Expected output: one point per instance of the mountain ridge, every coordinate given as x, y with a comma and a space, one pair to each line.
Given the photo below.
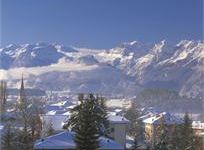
135, 63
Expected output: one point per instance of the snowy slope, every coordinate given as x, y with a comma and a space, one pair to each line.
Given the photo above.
31, 55
125, 69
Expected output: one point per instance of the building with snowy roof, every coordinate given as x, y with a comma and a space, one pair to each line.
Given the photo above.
198, 128
65, 141
62, 105
118, 127
151, 124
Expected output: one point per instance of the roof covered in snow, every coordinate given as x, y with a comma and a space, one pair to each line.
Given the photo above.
113, 117
62, 140
151, 110
61, 104
65, 140
58, 112
117, 119
198, 125
167, 117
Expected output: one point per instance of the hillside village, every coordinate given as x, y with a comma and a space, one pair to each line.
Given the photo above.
42, 122
101, 75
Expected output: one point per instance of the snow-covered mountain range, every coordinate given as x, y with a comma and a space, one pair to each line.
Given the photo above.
123, 70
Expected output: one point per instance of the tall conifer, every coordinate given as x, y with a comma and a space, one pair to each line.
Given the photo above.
8, 139
188, 137
86, 137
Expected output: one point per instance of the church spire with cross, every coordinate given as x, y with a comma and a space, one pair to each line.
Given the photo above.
22, 95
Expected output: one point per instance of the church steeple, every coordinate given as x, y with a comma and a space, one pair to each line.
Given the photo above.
22, 91
22, 83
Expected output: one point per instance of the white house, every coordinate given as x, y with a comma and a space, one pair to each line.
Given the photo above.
65, 141
118, 124
118, 127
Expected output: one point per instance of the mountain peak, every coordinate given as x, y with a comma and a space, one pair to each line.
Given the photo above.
159, 47
133, 42
12, 46
157, 64
129, 44
185, 43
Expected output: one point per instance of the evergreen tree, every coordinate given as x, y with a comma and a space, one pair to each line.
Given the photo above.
24, 140
100, 112
34, 121
27, 116
162, 139
102, 116
23, 118
135, 144
175, 138
49, 129
182, 136
136, 126
35, 126
88, 120
72, 122
86, 137
188, 137
9, 137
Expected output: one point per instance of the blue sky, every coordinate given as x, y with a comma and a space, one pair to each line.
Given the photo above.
99, 23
